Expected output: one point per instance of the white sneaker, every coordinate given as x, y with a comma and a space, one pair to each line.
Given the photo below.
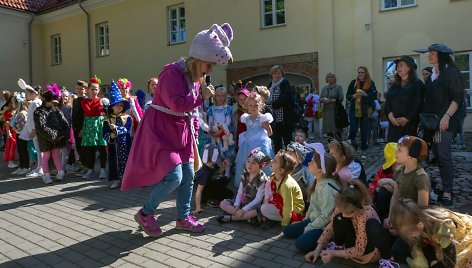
11, 164
16, 172
47, 179
90, 175
103, 174
35, 173
60, 175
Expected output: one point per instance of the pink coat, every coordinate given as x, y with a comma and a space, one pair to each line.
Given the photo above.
163, 141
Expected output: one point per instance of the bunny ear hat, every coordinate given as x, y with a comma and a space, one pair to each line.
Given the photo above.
22, 84
212, 45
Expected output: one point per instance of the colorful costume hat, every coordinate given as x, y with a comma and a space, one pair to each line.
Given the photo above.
115, 97
212, 45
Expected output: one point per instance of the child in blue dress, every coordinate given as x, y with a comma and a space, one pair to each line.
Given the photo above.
220, 113
256, 135
116, 131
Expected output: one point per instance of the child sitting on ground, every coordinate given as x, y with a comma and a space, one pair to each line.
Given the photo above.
203, 176
355, 228
250, 192
283, 197
344, 153
437, 237
382, 195
322, 194
300, 173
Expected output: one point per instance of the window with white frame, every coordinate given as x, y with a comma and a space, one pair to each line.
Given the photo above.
389, 69
56, 49
463, 62
394, 4
177, 30
103, 39
273, 13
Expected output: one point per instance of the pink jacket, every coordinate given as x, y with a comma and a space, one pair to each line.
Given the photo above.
163, 141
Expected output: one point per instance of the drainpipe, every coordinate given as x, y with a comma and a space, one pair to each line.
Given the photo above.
90, 69
30, 49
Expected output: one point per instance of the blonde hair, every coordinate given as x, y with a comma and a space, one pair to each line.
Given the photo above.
224, 91
330, 74
24, 103
263, 91
194, 67
441, 226
257, 98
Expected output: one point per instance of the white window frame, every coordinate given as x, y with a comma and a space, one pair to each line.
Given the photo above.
273, 13
468, 88
398, 6
56, 49
179, 31
391, 72
103, 39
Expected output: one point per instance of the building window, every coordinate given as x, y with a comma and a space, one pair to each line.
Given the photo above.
103, 39
177, 31
273, 13
463, 62
56, 50
389, 70
394, 4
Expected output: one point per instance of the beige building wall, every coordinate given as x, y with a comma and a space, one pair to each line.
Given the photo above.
14, 48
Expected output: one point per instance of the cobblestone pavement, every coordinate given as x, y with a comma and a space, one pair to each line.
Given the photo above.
78, 223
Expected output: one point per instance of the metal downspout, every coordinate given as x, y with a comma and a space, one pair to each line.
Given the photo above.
90, 68
30, 49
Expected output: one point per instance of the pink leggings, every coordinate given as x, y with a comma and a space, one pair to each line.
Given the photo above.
55, 156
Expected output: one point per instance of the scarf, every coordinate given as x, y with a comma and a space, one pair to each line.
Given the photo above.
358, 104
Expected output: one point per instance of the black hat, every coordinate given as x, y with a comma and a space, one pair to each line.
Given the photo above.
408, 60
435, 47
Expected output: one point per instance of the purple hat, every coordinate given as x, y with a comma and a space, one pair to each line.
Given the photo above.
212, 45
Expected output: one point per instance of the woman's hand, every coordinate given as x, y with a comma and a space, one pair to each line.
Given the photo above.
327, 256
444, 123
312, 256
392, 119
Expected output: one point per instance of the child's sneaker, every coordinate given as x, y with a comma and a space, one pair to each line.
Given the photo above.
11, 164
24, 171
384, 263
60, 175
35, 173
103, 174
47, 179
115, 184
333, 246
148, 223
190, 224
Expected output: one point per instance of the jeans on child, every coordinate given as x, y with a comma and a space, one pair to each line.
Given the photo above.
305, 242
180, 178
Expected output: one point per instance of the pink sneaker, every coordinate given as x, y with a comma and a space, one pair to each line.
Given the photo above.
148, 224
190, 224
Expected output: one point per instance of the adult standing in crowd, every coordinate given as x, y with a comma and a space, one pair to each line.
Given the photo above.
404, 100
361, 94
165, 154
444, 96
331, 93
426, 73
282, 102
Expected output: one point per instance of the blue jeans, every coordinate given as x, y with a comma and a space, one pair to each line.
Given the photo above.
180, 178
354, 124
305, 242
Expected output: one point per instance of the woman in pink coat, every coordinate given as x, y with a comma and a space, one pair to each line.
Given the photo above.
162, 154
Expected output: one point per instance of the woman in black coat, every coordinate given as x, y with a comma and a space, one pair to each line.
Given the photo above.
282, 99
443, 97
404, 100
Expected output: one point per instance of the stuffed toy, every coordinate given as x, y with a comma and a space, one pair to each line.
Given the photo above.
222, 134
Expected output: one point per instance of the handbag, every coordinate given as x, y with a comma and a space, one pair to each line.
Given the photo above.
429, 121
319, 113
341, 118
